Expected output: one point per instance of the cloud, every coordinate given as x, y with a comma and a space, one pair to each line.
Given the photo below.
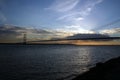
89, 6
11, 32
86, 36
79, 19
74, 12
15, 33
2, 15
8, 34
81, 8
63, 5
75, 29
111, 31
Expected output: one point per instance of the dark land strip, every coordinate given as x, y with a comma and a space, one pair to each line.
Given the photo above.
109, 70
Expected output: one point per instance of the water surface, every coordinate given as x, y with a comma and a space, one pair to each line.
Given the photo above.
50, 62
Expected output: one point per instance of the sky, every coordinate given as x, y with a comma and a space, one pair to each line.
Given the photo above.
70, 16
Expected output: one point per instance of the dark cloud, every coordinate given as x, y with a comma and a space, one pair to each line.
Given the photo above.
39, 31
11, 32
8, 32
87, 36
5, 29
17, 29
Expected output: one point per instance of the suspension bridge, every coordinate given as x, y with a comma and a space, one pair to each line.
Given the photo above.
113, 24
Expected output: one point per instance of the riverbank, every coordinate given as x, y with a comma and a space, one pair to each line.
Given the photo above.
109, 70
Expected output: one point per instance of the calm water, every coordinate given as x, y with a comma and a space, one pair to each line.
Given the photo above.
50, 62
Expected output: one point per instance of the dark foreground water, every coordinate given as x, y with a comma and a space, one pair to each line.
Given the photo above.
50, 62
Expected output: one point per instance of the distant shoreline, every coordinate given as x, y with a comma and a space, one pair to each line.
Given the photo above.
55, 44
29, 44
58, 44
77, 43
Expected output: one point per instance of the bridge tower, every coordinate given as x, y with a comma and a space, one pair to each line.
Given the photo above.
24, 38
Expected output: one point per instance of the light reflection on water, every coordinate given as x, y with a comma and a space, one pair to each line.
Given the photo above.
50, 62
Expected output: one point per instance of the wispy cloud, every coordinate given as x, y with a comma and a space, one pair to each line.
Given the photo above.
88, 7
75, 29
2, 16
111, 31
63, 5
74, 8
73, 11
